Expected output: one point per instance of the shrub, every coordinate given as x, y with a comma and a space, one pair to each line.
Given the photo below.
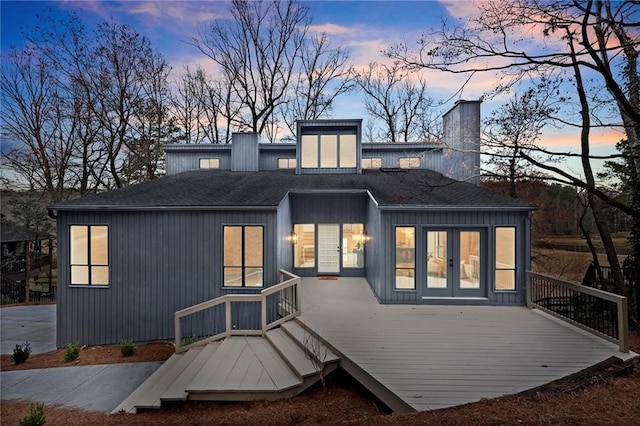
187, 340
72, 351
35, 417
127, 347
21, 353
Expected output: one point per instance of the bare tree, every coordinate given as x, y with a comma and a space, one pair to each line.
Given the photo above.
514, 128
37, 122
392, 98
598, 37
324, 75
257, 52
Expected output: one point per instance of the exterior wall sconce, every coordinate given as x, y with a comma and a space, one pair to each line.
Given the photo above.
364, 237
294, 238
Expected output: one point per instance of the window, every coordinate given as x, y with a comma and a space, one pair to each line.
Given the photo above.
371, 163
409, 162
89, 255
286, 163
353, 245
405, 258
328, 151
243, 256
209, 163
304, 250
505, 270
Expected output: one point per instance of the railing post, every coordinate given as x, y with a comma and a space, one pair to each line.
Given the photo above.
299, 296
263, 314
177, 331
623, 325
529, 285
227, 317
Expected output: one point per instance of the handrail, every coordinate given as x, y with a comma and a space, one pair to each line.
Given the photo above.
621, 307
227, 299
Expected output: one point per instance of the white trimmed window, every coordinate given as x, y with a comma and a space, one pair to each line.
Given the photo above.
405, 258
286, 163
372, 163
209, 163
89, 257
328, 151
409, 162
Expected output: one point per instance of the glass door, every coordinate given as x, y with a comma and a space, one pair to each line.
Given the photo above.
454, 263
328, 249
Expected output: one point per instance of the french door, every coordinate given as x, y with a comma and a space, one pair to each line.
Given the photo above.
454, 263
328, 248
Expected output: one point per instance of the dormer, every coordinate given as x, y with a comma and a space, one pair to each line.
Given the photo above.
329, 146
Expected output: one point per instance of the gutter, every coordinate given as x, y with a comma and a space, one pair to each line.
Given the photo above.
161, 208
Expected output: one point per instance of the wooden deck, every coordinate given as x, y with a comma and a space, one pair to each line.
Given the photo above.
417, 357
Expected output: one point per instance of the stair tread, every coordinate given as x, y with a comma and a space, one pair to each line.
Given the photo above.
131, 402
177, 390
299, 334
244, 364
151, 398
293, 353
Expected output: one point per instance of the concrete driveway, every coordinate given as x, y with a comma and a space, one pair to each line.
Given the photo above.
91, 388
35, 324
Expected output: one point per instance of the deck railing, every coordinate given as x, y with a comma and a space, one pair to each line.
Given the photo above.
212, 320
599, 312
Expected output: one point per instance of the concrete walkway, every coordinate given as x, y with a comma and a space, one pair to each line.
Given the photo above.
91, 388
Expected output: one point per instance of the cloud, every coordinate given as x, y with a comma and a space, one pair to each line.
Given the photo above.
332, 29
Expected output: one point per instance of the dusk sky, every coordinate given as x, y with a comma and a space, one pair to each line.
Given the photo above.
364, 27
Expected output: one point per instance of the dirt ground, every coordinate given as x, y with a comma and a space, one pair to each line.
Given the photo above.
612, 402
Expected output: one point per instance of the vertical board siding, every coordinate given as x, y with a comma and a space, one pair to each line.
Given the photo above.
178, 162
329, 208
285, 228
245, 152
159, 262
269, 156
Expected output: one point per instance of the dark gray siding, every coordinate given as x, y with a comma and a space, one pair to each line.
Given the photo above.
270, 153
245, 152
382, 278
159, 262
390, 154
346, 207
374, 249
184, 161
285, 229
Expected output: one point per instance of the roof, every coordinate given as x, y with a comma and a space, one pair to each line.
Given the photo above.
391, 188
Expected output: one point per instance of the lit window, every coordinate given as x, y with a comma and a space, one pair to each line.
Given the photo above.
304, 250
409, 163
328, 151
243, 256
505, 270
371, 163
348, 151
353, 245
89, 255
286, 163
209, 163
405, 258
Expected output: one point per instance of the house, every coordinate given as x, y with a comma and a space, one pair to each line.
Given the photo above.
411, 218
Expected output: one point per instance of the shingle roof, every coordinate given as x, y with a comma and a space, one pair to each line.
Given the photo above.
217, 188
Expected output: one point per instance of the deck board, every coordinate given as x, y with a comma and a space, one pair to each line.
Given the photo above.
440, 356
176, 391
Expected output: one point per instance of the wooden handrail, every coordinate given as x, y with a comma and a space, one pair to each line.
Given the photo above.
228, 299
620, 301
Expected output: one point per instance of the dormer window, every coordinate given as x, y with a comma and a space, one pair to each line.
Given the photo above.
328, 151
209, 163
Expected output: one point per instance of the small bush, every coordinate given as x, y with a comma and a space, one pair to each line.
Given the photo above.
35, 417
127, 347
21, 353
187, 340
72, 351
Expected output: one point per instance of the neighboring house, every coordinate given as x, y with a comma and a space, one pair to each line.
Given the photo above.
410, 217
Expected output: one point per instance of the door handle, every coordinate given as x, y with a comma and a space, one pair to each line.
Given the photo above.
450, 263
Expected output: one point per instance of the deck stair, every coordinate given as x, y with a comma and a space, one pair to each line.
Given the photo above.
237, 369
